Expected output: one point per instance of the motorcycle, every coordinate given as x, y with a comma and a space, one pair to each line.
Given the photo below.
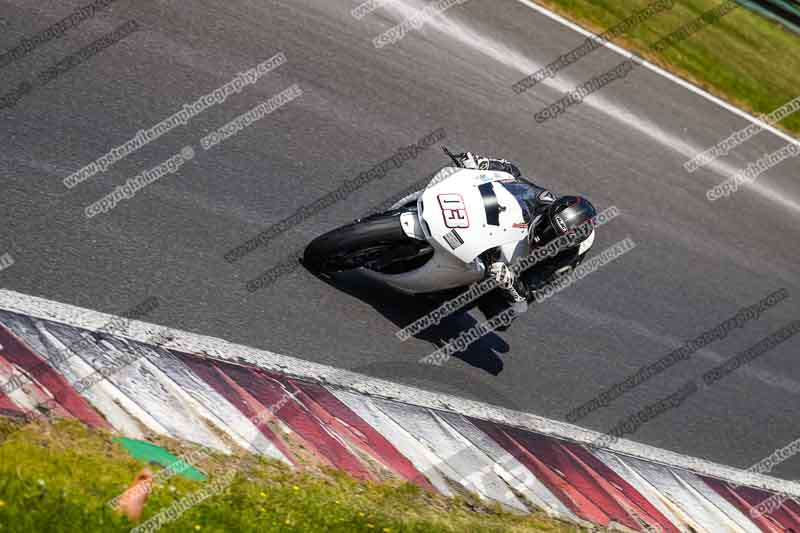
436, 240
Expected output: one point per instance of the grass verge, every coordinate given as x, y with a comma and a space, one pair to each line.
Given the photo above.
58, 477
744, 58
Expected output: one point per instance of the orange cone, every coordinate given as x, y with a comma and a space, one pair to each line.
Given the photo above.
132, 501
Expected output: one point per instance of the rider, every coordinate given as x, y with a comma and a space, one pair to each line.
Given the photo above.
550, 218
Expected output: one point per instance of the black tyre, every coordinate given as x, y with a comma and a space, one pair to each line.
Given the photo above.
356, 245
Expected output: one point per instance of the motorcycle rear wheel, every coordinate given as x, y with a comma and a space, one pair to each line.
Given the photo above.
377, 242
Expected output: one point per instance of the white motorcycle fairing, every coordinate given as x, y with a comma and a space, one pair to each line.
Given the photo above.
461, 214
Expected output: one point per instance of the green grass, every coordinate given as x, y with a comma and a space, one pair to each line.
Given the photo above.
743, 58
58, 477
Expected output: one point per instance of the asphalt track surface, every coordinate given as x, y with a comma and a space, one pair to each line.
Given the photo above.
695, 264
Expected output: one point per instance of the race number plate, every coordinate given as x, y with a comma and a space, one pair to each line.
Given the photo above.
453, 210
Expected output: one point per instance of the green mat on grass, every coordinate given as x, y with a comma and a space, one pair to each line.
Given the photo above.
145, 451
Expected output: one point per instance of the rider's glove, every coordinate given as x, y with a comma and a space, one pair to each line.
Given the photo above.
502, 275
469, 160
478, 162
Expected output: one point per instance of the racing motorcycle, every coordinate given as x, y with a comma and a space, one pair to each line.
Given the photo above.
444, 237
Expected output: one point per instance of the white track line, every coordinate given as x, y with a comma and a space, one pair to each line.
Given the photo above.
215, 348
720, 167
658, 70
471, 38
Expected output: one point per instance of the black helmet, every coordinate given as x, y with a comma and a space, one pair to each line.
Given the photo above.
564, 217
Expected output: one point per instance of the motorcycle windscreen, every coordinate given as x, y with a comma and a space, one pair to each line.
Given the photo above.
470, 212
